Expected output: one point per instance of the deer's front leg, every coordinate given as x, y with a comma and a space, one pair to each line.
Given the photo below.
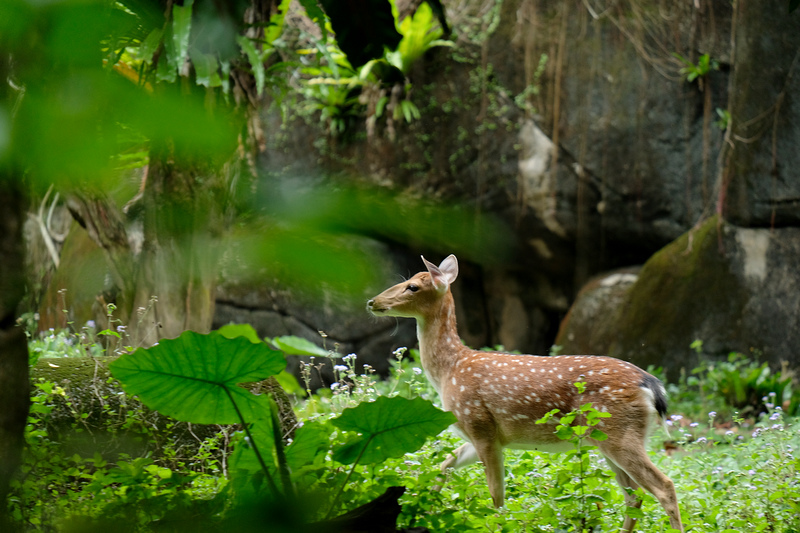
462, 456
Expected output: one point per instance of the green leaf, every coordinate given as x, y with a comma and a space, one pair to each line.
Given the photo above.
567, 419
275, 27
291, 345
598, 435
181, 28
205, 68
309, 440
231, 331
634, 512
289, 383
388, 427
381, 105
315, 13
256, 61
150, 45
194, 378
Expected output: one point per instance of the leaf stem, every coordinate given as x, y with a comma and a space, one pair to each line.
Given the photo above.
261, 462
350, 473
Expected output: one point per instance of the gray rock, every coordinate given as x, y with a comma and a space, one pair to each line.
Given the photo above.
732, 288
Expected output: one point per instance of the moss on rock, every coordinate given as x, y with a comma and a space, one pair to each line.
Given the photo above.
92, 414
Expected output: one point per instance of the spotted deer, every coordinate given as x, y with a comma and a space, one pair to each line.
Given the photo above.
498, 397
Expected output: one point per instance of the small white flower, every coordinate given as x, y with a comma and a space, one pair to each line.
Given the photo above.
693, 425
712, 414
728, 433
90, 324
676, 417
417, 370
775, 416
701, 440
121, 328
334, 386
340, 368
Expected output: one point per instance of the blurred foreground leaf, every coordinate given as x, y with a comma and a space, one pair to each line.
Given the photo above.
387, 216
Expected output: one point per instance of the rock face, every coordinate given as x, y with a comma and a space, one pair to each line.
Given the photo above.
733, 288
763, 180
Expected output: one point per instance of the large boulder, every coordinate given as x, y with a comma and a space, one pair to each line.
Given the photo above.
731, 287
590, 326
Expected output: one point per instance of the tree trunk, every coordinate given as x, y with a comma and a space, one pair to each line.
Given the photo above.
14, 384
177, 267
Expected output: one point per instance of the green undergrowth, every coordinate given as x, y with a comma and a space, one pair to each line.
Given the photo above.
735, 468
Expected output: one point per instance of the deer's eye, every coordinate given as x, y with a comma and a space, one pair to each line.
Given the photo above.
412, 288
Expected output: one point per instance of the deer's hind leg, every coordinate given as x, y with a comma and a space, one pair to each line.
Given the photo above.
628, 486
630, 457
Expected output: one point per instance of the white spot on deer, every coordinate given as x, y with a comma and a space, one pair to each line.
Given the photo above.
504, 377
591, 372
550, 381
454, 381
582, 366
570, 369
542, 370
467, 411
559, 376
462, 388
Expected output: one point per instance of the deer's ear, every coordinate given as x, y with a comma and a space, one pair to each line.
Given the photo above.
443, 275
449, 268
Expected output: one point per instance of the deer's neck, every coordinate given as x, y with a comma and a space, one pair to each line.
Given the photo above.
439, 343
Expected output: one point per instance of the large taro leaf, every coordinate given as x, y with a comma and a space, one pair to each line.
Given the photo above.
388, 427
195, 377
